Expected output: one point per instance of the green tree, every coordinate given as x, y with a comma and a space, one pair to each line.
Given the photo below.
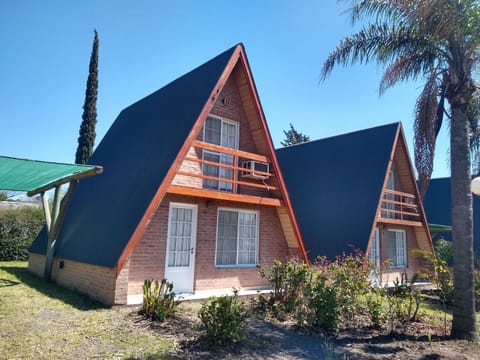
3, 196
437, 41
86, 138
292, 137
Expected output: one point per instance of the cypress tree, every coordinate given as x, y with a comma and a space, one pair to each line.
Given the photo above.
86, 138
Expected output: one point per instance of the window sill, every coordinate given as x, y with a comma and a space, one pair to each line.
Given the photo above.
249, 266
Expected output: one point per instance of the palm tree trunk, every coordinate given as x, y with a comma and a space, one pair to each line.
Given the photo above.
464, 317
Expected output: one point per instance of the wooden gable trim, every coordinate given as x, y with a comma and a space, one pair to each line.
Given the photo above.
271, 149
162, 190
400, 137
423, 217
384, 186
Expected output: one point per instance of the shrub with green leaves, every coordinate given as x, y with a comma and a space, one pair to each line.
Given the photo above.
288, 281
18, 228
223, 319
321, 309
158, 299
350, 275
404, 301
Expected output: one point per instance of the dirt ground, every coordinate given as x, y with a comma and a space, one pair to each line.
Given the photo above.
275, 340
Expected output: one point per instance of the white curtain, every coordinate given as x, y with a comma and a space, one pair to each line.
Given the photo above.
180, 237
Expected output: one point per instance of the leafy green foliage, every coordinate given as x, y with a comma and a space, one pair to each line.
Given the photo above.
158, 299
375, 309
288, 280
338, 294
293, 137
3, 196
350, 275
404, 300
223, 319
18, 228
320, 309
87, 134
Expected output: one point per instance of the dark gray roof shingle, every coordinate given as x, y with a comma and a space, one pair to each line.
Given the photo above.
335, 186
136, 154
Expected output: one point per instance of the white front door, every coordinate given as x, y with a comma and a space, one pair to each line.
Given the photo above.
180, 258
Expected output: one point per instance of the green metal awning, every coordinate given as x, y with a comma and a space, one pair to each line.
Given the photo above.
436, 228
39, 176
36, 177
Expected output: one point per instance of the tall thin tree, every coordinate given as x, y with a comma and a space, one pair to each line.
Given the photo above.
438, 41
87, 134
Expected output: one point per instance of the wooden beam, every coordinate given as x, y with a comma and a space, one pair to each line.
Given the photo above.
51, 235
46, 211
218, 195
400, 222
214, 178
77, 176
225, 150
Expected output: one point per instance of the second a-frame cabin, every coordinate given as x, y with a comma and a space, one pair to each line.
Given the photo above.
191, 191
358, 191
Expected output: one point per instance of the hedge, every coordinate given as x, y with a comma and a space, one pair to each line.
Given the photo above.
18, 228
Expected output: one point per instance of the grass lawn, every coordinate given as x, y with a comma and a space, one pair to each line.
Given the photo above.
45, 321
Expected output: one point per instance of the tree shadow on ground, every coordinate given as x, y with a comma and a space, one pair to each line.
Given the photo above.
52, 290
385, 344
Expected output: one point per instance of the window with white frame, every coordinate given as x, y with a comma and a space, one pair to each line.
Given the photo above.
220, 132
397, 248
237, 238
375, 248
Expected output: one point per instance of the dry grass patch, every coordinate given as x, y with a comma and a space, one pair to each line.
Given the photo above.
45, 321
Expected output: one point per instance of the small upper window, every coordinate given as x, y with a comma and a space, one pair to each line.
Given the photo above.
221, 132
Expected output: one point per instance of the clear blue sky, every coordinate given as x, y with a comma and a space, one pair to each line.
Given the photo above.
45, 51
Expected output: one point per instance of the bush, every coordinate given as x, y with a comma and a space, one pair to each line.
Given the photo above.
288, 281
349, 274
159, 300
18, 228
223, 319
320, 309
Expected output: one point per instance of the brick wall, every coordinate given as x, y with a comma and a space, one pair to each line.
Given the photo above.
148, 258
414, 263
229, 105
97, 282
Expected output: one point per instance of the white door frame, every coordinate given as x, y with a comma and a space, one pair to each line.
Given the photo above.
182, 276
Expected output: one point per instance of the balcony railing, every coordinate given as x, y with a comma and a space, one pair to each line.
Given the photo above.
397, 205
227, 171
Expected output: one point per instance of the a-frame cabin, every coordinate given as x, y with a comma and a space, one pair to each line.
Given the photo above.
191, 191
358, 191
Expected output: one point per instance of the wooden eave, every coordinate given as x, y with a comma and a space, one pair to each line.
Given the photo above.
219, 195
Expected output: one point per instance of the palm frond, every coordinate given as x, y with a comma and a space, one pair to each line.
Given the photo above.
407, 67
379, 42
425, 130
377, 9
473, 115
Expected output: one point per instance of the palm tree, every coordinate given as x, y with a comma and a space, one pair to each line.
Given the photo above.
437, 41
